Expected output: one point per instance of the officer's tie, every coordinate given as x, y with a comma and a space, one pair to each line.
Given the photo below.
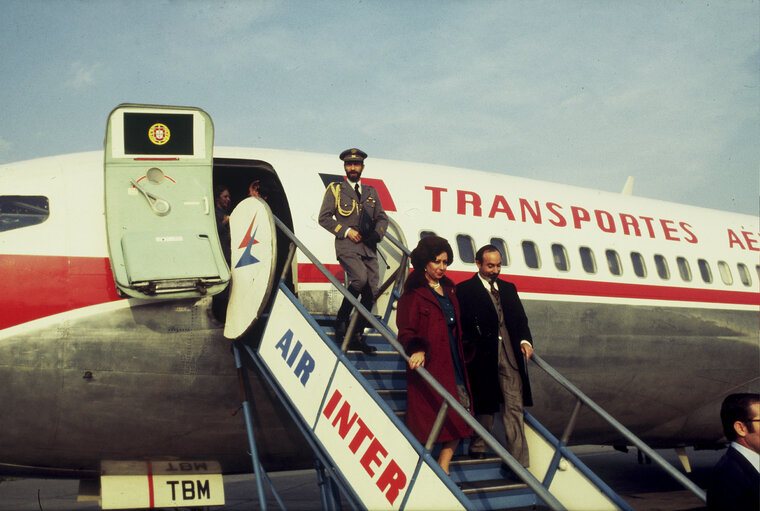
358, 193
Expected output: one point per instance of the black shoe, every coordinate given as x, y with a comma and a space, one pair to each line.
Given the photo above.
340, 330
478, 455
358, 343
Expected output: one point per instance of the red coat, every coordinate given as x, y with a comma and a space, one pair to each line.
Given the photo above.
422, 327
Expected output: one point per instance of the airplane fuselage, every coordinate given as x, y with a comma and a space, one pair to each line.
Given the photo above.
651, 308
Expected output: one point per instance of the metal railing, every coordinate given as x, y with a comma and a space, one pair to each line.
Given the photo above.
582, 399
448, 400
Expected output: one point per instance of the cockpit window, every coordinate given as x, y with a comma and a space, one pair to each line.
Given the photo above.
17, 211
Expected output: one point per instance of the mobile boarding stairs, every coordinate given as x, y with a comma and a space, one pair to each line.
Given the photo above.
350, 407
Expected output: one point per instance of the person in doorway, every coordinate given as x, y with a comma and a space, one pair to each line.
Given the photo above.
735, 481
495, 330
352, 212
221, 210
256, 189
429, 329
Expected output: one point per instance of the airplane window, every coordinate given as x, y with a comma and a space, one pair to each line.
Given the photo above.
704, 269
466, 247
639, 267
662, 266
587, 259
425, 234
725, 273
530, 252
757, 267
744, 274
613, 261
17, 211
502, 246
684, 269
560, 257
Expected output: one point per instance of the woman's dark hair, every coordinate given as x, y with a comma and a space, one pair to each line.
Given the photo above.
218, 189
428, 249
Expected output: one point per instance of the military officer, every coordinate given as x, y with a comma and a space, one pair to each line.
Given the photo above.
352, 212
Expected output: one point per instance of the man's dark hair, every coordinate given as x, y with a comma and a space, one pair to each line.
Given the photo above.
736, 407
482, 250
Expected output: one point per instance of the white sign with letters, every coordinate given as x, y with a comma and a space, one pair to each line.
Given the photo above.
151, 484
297, 357
373, 455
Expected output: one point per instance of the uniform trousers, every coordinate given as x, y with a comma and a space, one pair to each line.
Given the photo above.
362, 276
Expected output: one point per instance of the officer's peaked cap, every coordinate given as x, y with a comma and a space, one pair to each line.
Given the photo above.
353, 154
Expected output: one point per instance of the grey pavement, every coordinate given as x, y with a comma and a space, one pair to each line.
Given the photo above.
643, 486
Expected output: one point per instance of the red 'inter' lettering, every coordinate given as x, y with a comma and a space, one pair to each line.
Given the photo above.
392, 480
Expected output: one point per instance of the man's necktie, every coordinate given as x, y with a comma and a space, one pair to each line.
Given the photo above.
358, 193
494, 291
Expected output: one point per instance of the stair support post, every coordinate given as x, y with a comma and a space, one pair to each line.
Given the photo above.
552, 469
258, 470
437, 426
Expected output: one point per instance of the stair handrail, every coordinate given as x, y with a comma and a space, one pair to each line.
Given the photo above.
529, 479
397, 277
628, 434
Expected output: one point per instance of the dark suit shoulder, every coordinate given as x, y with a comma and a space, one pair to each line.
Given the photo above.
507, 285
470, 284
734, 484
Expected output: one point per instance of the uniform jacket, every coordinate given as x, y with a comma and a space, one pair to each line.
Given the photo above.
422, 327
338, 214
734, 484
480, 334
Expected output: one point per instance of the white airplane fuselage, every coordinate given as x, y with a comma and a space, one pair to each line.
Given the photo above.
657, 338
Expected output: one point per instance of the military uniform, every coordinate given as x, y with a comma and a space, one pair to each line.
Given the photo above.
343, 209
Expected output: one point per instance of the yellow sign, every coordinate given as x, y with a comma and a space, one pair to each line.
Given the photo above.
159, 134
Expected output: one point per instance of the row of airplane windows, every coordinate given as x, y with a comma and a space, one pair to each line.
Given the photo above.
532, 257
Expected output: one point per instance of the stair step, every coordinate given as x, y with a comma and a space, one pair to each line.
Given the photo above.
469, 470
380, 360
385, 378
490, 486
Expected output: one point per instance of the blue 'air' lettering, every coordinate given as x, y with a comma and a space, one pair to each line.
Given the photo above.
306, 363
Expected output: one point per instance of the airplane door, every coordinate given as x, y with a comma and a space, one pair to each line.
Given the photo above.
254, 259
159, 202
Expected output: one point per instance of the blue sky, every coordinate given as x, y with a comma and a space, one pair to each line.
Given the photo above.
580, 92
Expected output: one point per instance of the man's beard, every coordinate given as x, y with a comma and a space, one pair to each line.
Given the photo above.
492, 277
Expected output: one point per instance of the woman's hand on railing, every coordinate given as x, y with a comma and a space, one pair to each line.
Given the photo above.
416, 360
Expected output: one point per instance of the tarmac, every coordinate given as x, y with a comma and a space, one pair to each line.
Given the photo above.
644, 486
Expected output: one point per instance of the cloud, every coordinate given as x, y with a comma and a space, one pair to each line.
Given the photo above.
82, 75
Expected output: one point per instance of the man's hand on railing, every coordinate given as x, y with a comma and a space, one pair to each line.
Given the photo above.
527, 349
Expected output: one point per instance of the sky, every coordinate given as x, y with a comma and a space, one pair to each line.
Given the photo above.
570, 91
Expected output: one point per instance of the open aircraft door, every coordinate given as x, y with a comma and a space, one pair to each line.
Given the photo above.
159, 202
254, 259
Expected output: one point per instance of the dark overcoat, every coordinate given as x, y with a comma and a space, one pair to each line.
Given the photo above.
734, 484
480, 335
422, 327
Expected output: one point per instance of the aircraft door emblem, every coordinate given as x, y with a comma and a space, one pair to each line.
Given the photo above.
159, 134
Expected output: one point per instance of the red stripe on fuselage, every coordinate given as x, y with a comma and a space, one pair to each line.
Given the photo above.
33, 287
307, 273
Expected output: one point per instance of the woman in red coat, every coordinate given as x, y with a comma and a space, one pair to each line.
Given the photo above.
429, 329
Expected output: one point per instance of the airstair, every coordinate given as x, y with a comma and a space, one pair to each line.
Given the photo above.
350, 407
